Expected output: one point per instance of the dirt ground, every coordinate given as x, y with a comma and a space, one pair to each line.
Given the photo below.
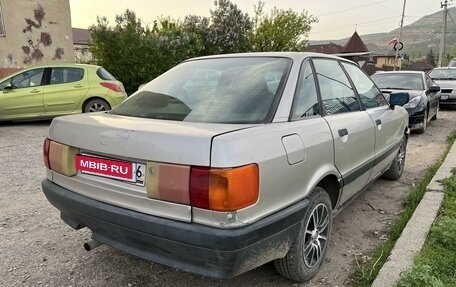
38, 249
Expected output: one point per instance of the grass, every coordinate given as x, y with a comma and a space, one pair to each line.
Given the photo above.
436, 264
367, 272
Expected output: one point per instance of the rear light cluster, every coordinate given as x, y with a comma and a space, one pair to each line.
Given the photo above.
224, 189
218, 189
112, 86
59, 157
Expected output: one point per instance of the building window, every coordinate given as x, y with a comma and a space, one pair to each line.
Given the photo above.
2, 25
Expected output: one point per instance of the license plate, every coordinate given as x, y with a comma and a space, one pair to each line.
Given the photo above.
444, 97
120, 170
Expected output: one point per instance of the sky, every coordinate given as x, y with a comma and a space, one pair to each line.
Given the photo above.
337, 18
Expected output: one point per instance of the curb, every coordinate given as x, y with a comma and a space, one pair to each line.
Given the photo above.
415, 232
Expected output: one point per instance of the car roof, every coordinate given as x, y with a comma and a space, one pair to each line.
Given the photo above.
399, 72
298, 56
62, 65
59, 65
444, 68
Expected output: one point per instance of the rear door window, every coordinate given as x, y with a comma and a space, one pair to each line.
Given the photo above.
337, 94
306, 99
66, 75
370, 95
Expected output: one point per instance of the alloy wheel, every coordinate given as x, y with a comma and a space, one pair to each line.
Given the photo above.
401, 156
97, 107
316, 235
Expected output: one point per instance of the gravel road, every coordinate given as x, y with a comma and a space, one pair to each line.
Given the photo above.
38, 249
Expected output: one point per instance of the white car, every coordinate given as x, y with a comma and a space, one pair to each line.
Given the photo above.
219, 174
446, 79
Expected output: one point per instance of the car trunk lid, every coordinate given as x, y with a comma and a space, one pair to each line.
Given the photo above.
186, 143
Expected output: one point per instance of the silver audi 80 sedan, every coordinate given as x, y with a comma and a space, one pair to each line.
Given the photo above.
227, 162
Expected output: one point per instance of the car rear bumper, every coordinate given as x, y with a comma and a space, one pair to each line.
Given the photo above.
204, 250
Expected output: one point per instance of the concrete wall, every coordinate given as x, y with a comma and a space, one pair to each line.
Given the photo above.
36, 32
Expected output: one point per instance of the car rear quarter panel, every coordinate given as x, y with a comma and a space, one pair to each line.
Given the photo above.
97, 91
281, 183
388, 135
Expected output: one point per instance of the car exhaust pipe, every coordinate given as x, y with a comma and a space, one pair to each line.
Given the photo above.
91, 244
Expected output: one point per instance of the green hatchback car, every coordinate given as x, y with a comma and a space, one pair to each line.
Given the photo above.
48, 91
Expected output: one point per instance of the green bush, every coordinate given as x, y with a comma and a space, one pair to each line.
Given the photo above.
136, 54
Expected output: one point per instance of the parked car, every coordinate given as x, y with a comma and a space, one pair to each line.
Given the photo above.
54, 90
248, 165
452, 63
446, 79
424, 95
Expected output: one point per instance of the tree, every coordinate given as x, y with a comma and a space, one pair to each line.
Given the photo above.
135, 54
123, 49
414, 53
282, 30
197, 28
229, 29
431, 57
453, 51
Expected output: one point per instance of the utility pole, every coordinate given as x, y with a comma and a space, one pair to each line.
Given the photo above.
400, 36
443, 5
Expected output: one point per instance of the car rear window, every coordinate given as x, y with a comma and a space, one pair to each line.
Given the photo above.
218, 90
105, 75
398, 81
443, 74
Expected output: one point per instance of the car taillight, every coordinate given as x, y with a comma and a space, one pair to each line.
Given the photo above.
46, 146
233, 189
112, 86
199, 187
59, 157
218, 189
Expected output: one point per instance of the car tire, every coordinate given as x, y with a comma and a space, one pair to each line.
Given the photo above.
436, 114
425, 121
308, 249
96, 105
397, 166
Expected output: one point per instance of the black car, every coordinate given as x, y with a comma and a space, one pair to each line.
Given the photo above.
424, 95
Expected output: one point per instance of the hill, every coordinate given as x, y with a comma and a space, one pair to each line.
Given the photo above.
418, 37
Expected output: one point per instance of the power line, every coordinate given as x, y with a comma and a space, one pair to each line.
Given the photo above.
387, 8
350, 9
370, 23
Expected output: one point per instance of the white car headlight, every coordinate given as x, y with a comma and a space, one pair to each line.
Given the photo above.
413, 103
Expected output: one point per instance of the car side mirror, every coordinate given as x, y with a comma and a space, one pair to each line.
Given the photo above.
433, 89
8, 88
398, 99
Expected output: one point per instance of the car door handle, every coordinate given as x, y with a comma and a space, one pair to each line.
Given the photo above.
378, 122
78, 86
343, 132
35, 91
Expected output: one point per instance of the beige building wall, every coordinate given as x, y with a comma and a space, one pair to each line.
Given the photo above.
387, 61
35, 32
